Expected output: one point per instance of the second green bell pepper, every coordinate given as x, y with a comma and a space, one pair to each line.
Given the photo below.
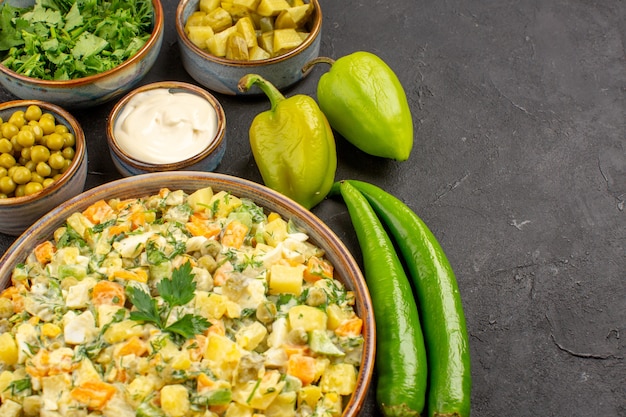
365, 102
292, 144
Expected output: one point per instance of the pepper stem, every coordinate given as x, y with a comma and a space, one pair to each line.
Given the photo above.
247, 81
318, 60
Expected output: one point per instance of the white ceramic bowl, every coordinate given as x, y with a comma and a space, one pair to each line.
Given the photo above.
346, 268
222, 75
95, 89
205, 159
18, 213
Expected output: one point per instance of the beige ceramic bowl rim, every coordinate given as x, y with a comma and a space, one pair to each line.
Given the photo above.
52, 219
79, 156
170, 85
315, 31
157, 32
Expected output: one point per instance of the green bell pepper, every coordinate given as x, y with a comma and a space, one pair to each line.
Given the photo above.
365, 102
292, 144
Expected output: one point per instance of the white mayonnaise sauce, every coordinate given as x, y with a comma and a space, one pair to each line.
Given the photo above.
159, 126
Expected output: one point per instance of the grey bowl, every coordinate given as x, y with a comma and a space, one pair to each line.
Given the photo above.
19, 213
93, 90
222, 75
206, 159
346, 268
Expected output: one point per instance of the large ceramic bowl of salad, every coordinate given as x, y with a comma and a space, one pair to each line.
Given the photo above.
183, 294
77, 53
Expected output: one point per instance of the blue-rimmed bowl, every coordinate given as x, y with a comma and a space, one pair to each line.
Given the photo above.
205, 159
95, 89
19, 213
222, 75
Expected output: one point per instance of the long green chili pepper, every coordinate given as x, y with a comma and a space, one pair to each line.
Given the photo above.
400, 352
439, 300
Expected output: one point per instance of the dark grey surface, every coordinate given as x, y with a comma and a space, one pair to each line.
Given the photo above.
519, 168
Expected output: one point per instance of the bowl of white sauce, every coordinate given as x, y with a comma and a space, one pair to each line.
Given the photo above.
166, 126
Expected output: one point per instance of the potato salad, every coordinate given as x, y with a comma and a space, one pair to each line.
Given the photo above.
176, 305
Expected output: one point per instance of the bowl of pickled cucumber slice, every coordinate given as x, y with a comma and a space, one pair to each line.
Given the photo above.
221, 41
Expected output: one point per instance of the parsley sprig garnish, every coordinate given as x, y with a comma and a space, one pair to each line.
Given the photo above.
175, 292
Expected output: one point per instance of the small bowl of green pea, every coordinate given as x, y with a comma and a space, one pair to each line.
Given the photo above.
43, 161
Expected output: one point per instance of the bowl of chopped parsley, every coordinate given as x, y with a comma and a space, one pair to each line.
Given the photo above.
77, 53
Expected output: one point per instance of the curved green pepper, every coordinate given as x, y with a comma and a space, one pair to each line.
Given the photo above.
364, 102
401, 363
439, 303
292, 144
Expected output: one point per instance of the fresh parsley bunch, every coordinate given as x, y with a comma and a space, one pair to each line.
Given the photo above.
177, 291
69, 39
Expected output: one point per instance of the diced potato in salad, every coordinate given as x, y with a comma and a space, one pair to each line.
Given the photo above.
176, 305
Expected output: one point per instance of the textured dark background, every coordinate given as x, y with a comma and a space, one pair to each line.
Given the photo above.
519, 168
